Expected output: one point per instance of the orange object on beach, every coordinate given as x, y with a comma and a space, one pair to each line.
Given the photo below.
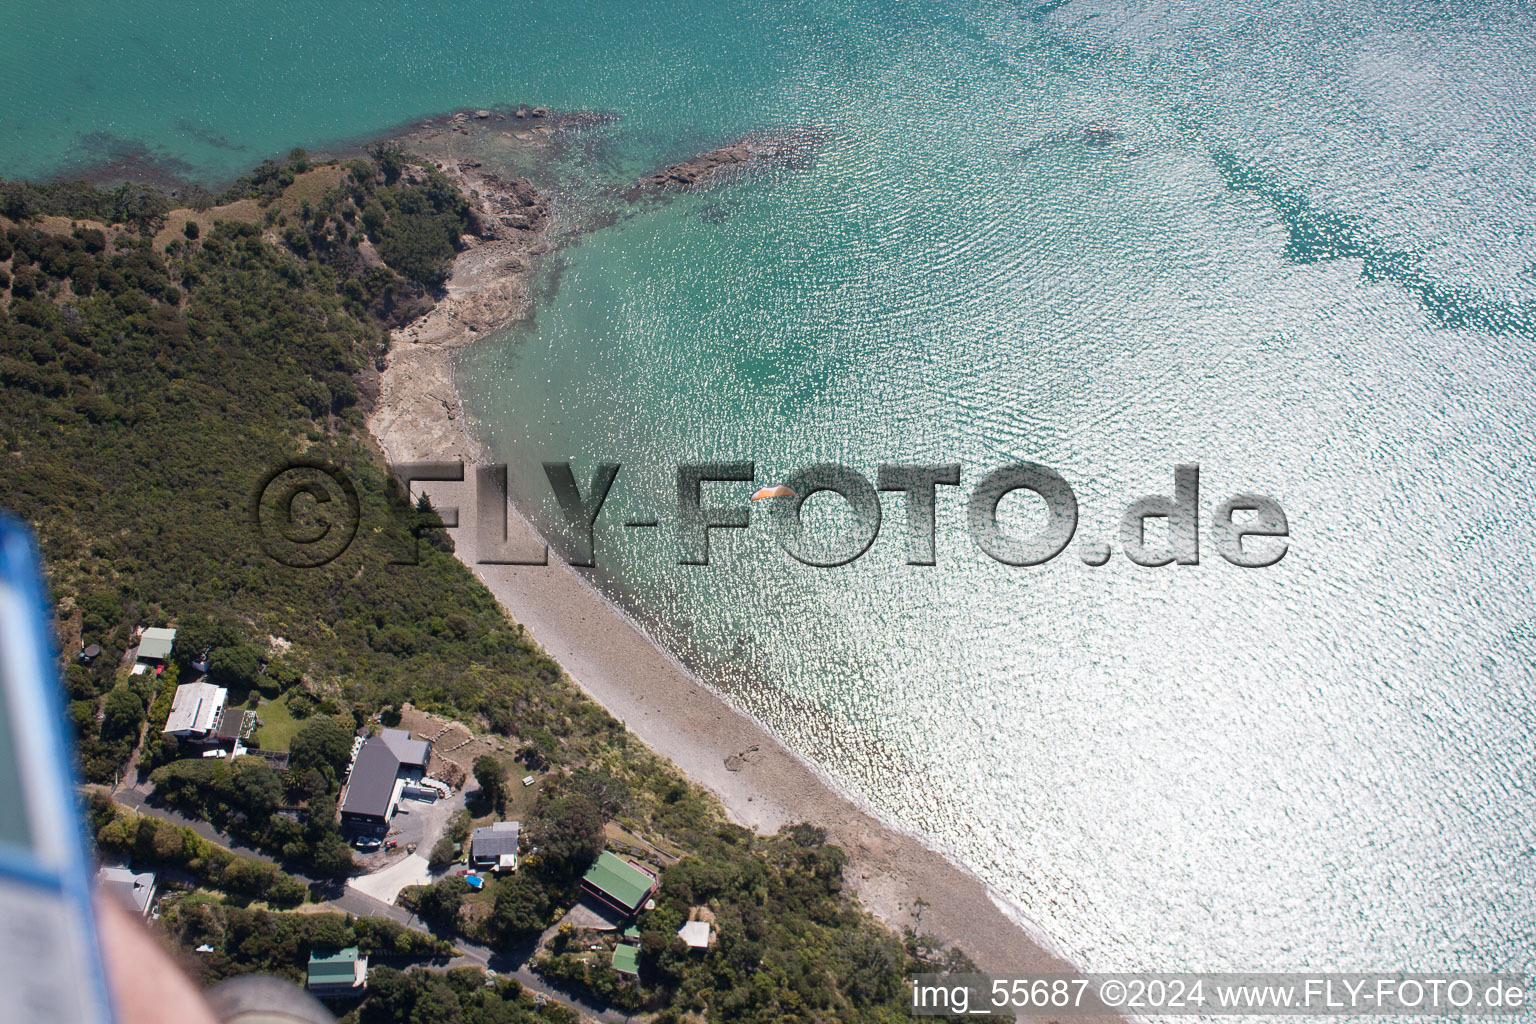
777, 491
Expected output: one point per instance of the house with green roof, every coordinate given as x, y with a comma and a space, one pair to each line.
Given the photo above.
618, 884
154, 649
338, 974
626, 959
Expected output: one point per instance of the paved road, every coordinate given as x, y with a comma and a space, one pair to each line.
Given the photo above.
334, 894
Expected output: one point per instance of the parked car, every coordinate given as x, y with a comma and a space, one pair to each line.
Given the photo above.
367, 843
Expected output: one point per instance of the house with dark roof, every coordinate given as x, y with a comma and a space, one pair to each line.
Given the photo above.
620, 885
494, 847
340, 974
385, 765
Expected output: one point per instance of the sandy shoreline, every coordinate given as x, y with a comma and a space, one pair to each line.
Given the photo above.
760, 782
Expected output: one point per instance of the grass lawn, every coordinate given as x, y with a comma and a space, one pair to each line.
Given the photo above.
520, 798
277, 725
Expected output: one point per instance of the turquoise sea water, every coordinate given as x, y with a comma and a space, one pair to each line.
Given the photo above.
1308, 263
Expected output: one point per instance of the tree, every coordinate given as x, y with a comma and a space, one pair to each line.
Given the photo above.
521, 909
607, 792
872, 966
569, 834
391, 160
331, 856
122, 712
328, 931
492, 778
307, 783
390, 997
444, 852
324, 744
83, 714
235, 666
439, 903
100, 611
436, 1002
454, 835
538, 752
256, 786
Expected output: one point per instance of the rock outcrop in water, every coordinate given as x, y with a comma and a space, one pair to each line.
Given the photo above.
752, 153
418, 414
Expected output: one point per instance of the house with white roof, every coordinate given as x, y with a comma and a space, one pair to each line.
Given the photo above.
136, 890
695, 934
197, 711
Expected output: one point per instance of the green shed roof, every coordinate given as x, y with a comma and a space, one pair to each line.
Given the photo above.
626, 958
620, 880
338, 968
156, 643
632, 932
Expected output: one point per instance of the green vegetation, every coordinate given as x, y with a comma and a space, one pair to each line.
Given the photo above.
144, 208
249, 941
492, 778
159, 844
452, 841
460, 995
439, 903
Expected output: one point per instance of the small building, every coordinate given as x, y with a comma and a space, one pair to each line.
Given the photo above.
626, 959
90, 654
155, 645
494, 847
384, 766
135, 890
197, 711
695, 934
618, 884
342, 974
